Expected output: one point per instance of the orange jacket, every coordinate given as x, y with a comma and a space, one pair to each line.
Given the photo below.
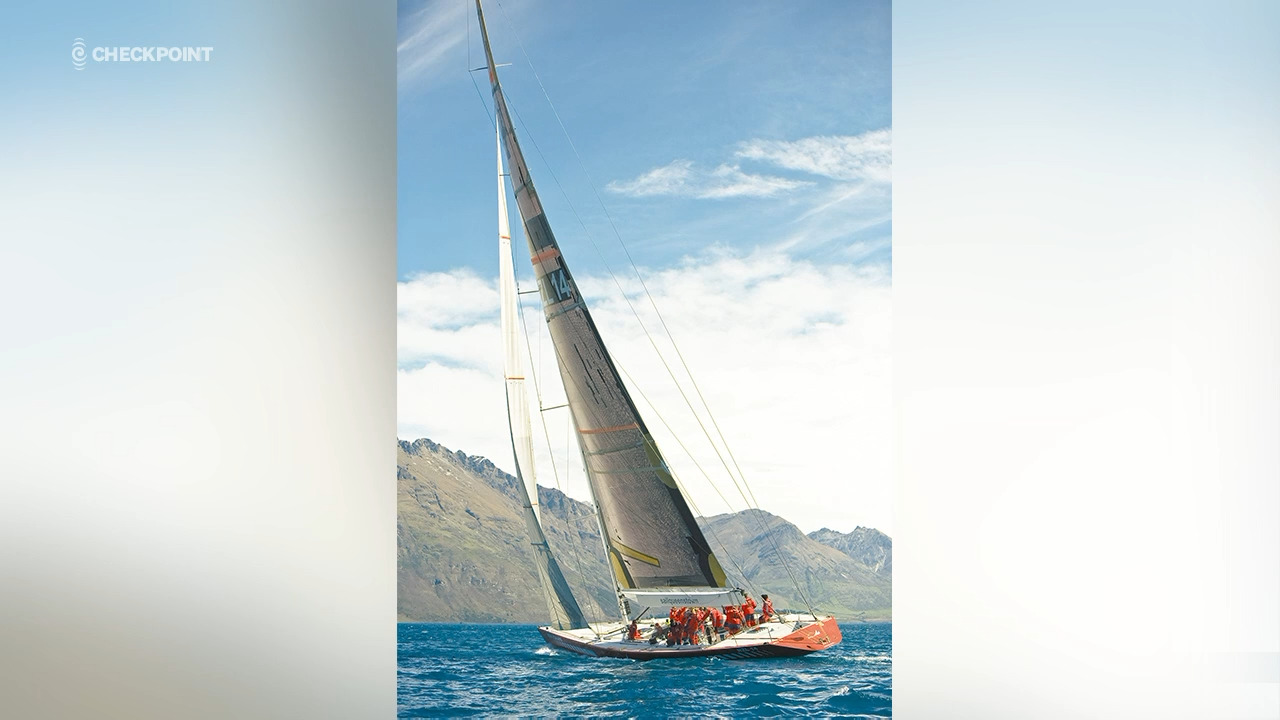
767, 610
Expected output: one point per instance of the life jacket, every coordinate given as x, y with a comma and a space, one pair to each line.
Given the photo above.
733, 617
767, 611
633, 632
717, 618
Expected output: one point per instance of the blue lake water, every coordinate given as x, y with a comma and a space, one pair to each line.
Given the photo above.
469, 669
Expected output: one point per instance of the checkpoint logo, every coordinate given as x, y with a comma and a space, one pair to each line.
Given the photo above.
81, 55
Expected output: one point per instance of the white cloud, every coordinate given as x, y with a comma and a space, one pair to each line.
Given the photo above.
864, 157
450, 318
793, 358
428, 39
682, 178
846, 198
670, 179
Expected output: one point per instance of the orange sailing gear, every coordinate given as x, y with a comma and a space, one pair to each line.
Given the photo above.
733, 618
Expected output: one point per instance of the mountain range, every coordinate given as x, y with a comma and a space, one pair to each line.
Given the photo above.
463, 554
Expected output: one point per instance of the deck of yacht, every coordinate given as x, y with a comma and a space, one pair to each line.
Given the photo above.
784, 636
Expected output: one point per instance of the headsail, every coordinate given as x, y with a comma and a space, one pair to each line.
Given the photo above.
652, 538
565, 612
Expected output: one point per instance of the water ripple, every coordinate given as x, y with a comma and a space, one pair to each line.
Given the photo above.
463, 669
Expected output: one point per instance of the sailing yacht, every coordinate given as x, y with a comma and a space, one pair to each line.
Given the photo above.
655, 550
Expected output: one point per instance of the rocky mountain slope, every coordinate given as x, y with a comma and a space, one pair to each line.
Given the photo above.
464, 555
866, 545
773, 556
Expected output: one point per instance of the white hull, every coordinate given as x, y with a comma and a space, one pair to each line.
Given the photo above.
785, 636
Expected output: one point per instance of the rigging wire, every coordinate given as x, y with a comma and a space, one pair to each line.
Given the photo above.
696, 464
635, 269
529, 351
748, 495
764, 529
555, 473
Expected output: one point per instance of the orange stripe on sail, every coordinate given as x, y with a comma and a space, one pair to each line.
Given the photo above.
615, 428
546, 255
515, 377
505, 237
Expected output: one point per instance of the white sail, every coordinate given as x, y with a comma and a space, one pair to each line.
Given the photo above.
512, 364
560, 601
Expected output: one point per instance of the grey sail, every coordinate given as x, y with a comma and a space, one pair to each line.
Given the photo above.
650, 533
564, 609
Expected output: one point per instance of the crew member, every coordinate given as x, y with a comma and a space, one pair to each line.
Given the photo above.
732, 618
703, 614
749, 611
691, 626
766, 612
700, 624
717, 622
633, 631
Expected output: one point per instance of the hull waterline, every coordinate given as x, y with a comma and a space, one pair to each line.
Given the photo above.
764, 641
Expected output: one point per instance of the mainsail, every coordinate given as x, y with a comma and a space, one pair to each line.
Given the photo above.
564, 609
650, 533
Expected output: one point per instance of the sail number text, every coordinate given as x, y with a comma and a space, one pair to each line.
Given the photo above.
555, 286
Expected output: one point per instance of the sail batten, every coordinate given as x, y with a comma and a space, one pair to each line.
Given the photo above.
650, 533
564, 609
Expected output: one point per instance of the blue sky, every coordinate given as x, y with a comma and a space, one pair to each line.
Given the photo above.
742, 152
638, 86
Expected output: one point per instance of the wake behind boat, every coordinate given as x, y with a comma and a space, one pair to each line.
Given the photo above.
658, 555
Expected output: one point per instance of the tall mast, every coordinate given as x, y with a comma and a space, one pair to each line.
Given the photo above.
650, 534
564, 609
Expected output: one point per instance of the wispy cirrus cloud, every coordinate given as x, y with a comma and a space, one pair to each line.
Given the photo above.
429, 38
845, 178
683, 179
864, 157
